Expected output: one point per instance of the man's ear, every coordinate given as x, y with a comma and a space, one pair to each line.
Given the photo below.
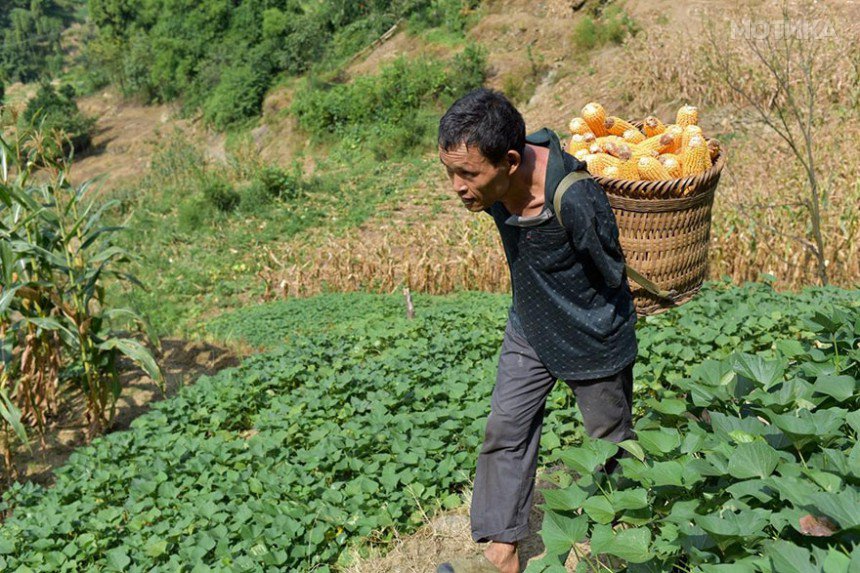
514, 160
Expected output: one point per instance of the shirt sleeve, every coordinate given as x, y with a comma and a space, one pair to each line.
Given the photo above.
588, 218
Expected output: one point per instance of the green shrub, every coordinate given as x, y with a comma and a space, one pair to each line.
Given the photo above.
219, 193
194, 213
52, 109
237, 96
389, 113
612, 25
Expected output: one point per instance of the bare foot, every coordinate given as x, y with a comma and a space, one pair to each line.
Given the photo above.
504, 556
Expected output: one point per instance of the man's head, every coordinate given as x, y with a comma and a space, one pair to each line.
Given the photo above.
482, 138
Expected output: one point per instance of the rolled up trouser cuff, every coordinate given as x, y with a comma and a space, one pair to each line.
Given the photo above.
511, 535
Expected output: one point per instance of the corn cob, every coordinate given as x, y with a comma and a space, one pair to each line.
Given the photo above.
578, 125
617, 126
687, 115
676, 132
595, 148
608, 140
612, 171
689, 132
581, 154
653, 145
620, 150
576, 143
651, 170
628, 170
696, 157
594, 115
597, 162
713, 149
672, 163
653, 126
633, 136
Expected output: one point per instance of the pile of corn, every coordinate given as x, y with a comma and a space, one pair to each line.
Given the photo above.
616, 149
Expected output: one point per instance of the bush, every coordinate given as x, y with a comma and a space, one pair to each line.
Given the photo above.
613, 25
388, 113
237, 96
56, 110
219, 193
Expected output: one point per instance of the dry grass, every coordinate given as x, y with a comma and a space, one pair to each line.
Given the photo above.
449, 255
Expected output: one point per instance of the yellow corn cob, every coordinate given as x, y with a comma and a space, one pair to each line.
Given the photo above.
714, 149
620, 150
653, 126
597, 162
676, 132
595, 148
578, 125
696, 157
687, 115
672, 163
653, 145
616, 126
581, 154
594, 115
633, 136
576, 143
688, 133
612, 171
608, 141
651, 170
628, 170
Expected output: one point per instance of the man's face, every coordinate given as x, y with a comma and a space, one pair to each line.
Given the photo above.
474, 178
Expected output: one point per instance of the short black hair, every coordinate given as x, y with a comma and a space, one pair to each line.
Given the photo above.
484, 118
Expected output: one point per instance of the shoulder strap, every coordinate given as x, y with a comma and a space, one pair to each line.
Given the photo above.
563, 186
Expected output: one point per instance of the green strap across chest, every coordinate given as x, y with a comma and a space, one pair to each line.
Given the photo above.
563, 186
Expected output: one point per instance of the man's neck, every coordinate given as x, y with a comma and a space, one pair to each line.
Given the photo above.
526, 196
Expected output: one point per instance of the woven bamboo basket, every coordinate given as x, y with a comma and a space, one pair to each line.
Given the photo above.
665, 228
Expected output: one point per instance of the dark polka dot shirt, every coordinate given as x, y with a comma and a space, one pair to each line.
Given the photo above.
571, 299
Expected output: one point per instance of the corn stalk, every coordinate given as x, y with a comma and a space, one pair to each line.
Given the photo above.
55, 258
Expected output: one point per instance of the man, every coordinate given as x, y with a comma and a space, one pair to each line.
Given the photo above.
571, 317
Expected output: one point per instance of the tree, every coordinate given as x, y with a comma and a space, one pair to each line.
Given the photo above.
776, 69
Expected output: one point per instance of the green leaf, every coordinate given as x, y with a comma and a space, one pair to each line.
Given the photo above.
632, 544
746, 523
117, 558
660, 441
787, 557
629, 499
758, 369
753, 459
844, 506
568, 498
839, 387
633, 448
155, 547
599, 509
559, 532
591, 454
138, 354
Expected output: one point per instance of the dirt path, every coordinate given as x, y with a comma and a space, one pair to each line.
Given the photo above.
182, 363
448, 535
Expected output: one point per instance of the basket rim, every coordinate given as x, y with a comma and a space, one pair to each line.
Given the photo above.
698, 181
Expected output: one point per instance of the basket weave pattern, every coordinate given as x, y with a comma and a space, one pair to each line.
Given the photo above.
665, 228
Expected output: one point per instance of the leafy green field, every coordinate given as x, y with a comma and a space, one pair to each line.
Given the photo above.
356, 419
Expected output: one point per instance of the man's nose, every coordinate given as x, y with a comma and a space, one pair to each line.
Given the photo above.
459, 185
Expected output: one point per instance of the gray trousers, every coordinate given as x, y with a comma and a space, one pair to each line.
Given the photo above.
505, 476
